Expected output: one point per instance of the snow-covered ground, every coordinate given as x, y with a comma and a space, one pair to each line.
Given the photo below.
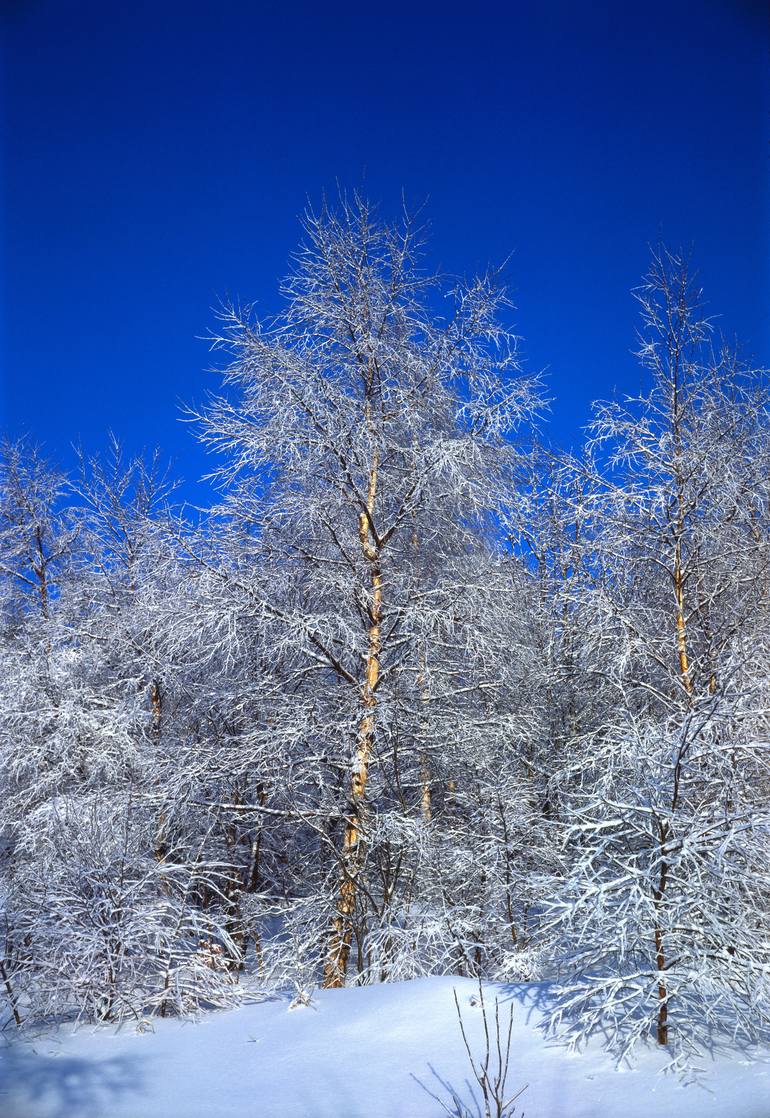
354, 1054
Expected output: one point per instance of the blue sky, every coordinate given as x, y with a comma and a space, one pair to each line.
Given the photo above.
156, 157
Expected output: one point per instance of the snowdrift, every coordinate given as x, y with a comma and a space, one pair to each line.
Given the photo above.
357, 1053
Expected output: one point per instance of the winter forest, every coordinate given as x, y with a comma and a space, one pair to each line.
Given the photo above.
422, 694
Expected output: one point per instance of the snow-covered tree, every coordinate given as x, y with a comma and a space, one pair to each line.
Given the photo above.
667, 827
366, 444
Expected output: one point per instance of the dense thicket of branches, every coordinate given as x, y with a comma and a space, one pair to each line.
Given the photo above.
419, 696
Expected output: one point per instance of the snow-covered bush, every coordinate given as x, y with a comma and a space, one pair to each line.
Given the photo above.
105, 929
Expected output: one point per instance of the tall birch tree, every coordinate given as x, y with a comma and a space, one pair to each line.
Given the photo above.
668, 835
366, 443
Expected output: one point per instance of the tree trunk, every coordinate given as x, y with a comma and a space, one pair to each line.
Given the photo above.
681, 629
662, 1024
660, 954
426, 793
336, 965
156, 701
686, 681
11, 995
426, 803
40, 569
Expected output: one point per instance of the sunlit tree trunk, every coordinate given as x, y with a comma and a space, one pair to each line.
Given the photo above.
352, 847
426, 793
685, 678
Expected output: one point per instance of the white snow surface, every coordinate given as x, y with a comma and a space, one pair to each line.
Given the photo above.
354, 1053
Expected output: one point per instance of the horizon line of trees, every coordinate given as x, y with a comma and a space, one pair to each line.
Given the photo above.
420, 694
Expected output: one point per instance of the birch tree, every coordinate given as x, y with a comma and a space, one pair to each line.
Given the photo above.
365, 445
668, 890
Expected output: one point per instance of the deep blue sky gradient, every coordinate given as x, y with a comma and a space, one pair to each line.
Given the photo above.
156, 156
